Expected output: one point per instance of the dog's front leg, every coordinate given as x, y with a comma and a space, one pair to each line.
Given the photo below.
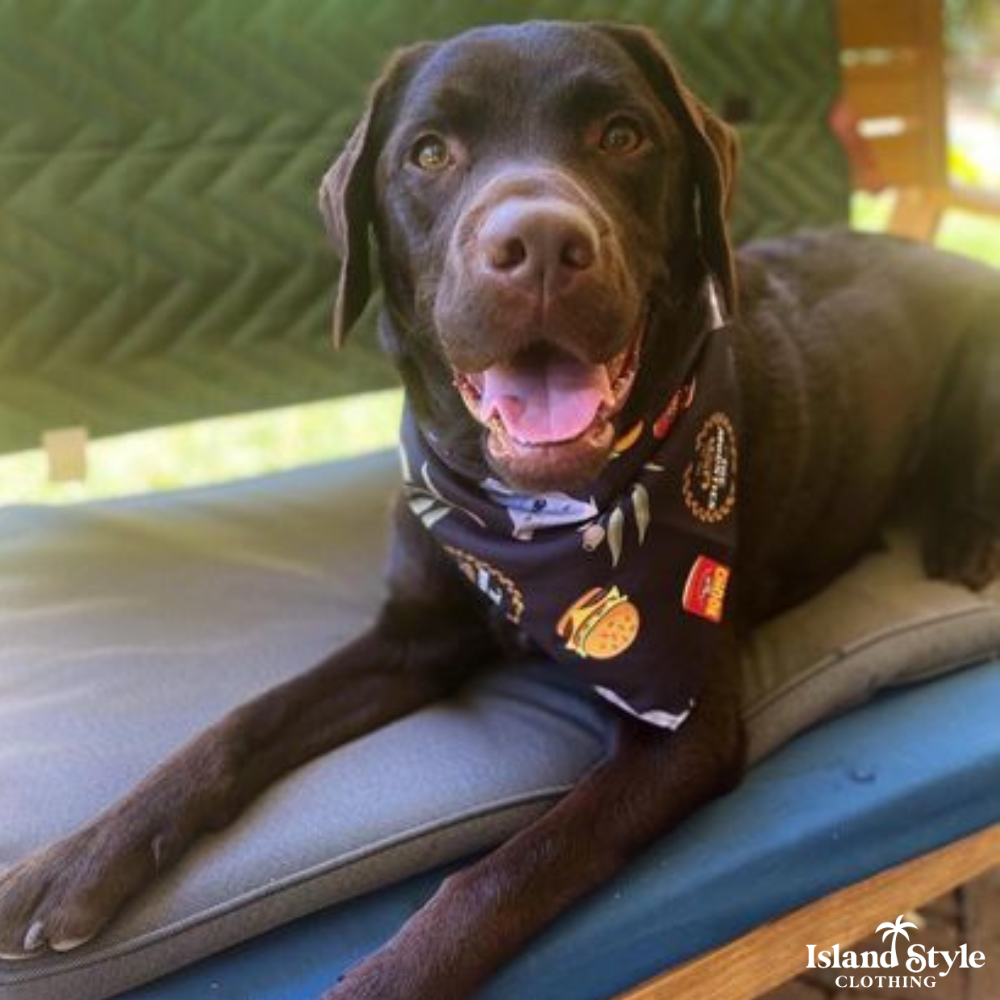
483, 915
428, 635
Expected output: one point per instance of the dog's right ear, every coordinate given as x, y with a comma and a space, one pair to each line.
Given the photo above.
713, 145
347, 194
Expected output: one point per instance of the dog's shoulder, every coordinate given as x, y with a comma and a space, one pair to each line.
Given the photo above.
853, 307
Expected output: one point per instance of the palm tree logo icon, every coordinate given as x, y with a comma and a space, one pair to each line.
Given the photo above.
895, 929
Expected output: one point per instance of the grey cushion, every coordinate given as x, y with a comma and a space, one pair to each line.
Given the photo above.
882, 623
125, 627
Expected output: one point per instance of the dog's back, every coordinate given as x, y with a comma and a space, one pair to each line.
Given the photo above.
852, 374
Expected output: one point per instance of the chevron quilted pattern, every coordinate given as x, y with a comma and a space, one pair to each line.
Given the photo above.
160, 257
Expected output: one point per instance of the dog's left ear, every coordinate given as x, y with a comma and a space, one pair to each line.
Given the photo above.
347, 195
713, 144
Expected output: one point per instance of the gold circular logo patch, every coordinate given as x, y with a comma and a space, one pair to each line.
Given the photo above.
710, 479
498, 587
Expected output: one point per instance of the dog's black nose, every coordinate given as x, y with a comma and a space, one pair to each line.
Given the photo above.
537, 242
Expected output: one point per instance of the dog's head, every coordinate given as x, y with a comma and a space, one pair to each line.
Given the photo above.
545, 199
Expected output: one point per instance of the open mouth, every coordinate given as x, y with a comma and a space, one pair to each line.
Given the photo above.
545, 398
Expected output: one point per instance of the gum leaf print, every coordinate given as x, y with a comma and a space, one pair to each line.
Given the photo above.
425, 473
640, 504
404, 462
433, 503
592, 535
616, 527
433, 516
421, 504
428, 508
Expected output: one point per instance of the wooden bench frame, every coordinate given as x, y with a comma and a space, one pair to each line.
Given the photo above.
775, 952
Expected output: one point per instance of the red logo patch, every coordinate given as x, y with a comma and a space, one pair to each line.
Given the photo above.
705, 590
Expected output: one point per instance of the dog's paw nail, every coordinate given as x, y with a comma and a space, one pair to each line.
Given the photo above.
69, 943
35, 938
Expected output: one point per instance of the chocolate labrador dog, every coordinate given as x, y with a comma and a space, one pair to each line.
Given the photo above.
623, 445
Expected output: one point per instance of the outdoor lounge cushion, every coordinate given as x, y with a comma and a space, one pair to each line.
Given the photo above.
875, 787
126, 626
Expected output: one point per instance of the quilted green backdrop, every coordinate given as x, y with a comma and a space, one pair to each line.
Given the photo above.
160, 255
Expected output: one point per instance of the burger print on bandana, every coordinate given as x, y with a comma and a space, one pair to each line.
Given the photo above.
624, 583
602, 624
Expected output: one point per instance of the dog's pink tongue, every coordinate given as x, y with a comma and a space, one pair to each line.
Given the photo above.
545, 401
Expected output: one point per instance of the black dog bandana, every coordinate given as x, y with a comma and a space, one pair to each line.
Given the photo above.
628, 582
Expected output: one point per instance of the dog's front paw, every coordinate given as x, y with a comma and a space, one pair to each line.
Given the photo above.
60, 897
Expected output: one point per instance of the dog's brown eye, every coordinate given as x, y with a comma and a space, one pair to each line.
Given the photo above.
621, 135
430, 153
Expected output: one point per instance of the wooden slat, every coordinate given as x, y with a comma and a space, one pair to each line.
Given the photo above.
935, 98
908, 83
885, 91
880, 23
917, 212
981, 917
905, 159
772, 954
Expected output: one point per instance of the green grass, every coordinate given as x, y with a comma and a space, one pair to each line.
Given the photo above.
212, 451
974, 235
